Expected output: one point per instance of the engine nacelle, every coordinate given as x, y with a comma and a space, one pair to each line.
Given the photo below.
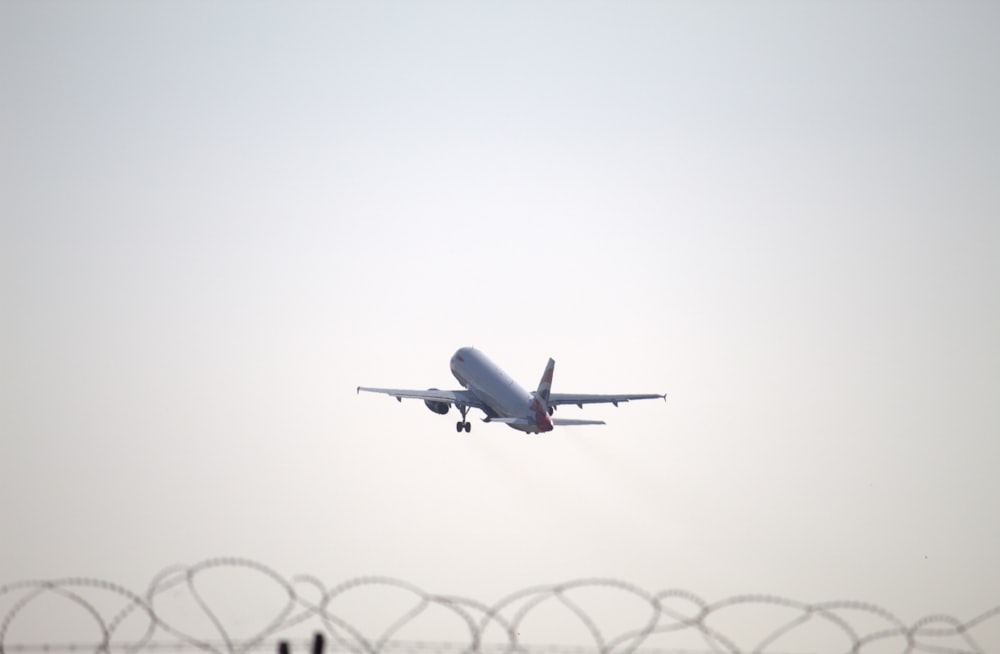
440, 408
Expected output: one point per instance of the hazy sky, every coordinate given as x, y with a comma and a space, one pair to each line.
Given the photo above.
217, 219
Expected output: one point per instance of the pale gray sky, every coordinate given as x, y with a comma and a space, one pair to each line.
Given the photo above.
217, 219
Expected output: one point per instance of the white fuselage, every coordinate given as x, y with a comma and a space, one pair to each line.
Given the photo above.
498, 390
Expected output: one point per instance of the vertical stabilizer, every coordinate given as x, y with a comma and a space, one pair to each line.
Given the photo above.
545, 385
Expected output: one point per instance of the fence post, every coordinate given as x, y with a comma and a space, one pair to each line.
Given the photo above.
319, 644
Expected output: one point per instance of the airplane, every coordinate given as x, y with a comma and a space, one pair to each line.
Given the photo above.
488, 388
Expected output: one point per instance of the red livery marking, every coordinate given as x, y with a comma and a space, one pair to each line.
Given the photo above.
542, 419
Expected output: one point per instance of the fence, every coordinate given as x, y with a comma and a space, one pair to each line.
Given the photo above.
236, 606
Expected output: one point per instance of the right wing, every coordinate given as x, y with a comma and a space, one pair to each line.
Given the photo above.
463, 398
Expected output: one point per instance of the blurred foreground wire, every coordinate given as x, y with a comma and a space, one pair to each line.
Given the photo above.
234, 606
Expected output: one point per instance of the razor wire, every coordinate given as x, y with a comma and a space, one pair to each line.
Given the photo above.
176, 613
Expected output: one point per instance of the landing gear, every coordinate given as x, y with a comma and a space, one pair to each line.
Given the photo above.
463, 423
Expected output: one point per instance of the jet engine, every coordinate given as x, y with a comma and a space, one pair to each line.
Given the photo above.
437, 407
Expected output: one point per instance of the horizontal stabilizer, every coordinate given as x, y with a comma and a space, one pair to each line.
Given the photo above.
557, 399
521, 422
558, 422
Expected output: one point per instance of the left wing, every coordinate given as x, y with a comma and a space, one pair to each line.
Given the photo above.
555, 399
463, 398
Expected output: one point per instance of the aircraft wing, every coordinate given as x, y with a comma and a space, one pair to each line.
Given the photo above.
555, 399
462, 397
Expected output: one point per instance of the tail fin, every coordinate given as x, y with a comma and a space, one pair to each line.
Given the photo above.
545, 385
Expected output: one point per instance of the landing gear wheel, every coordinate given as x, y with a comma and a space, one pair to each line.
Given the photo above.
463, 423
